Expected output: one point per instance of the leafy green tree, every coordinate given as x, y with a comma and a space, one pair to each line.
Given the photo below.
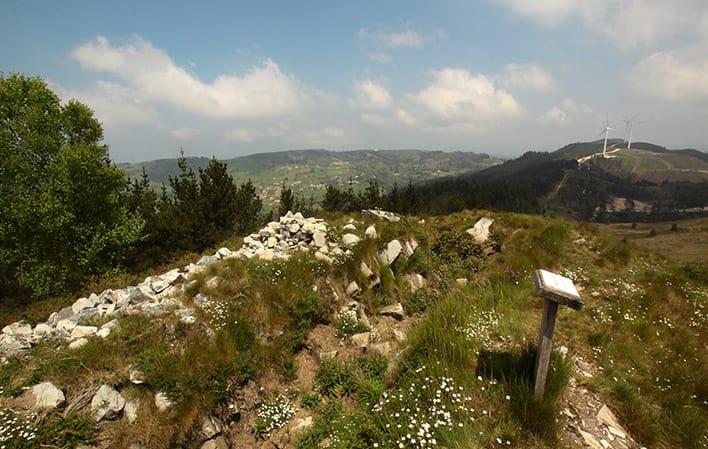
249, 206
62, 210
219, 207
372, 196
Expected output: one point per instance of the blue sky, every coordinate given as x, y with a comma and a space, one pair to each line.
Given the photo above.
495, 76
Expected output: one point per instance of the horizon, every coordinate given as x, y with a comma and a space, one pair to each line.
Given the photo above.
493, 76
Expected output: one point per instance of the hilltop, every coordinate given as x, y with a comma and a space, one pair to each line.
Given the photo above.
357, 332
308, 172
646, 183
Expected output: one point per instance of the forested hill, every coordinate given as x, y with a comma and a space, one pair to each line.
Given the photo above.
645, 183
308, 172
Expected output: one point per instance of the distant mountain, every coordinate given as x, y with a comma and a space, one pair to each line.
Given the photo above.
309, 171
647, 182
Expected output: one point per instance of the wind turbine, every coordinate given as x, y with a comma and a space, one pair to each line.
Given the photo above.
607, 132
628, 131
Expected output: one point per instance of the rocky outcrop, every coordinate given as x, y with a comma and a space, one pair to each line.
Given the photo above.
383, 214
47, 396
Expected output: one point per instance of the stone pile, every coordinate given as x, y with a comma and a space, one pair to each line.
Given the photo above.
378, 213
293, 232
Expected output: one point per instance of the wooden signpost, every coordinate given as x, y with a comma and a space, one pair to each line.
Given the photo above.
554, 289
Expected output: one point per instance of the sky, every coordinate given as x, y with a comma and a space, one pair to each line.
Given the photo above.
495, 76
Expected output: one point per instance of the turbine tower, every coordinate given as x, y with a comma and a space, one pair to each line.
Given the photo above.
607, 132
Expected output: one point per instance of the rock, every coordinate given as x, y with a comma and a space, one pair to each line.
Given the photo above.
390, 216
590, 440
350, 239
213, 282
353, 288
130, 411
84, 303
389, 255
365, 270
415, 281
19, 329
563, 350
162, 402
223, 253
349, 227
42, 330
103, 332
323, 257
319, 239
394, 310
399, 335
608, 418
160, 283
63, 314
385, 349
328, 355
83, 331
360, 340
47, 396
480, 230
371, 232
136, 377
580, 241
217, 443
66, 326
78, 343
271, 242
461, 282
211, 427
107, 403
11, 345
301, 425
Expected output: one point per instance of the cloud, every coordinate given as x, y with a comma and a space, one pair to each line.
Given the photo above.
263, 91
403, 39
381, 58
113, 104
564, 114
370, 95
185, 133
242, 135
457, 97
627, 23
526, 75
677, 75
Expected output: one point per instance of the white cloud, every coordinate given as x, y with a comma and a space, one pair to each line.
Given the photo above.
185, 133
381, 58
403, 39
242, 135
672, 75
526, 75
627, 23
457, 97
113, 104
370, 95
555, 116
263, 91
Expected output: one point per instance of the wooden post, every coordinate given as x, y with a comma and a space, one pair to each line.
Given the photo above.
554, 289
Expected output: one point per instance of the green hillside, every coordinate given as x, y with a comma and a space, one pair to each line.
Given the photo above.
309, 171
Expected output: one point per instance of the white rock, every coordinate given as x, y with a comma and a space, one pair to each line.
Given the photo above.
323, 257
319, 239
103, 332
83, 331
480, 230
42, 330
66, 326
76, 344
217, 443
365, 270
223, 252
371, 232
211, 427
162, 402
461, 282
392, 251
301, 425
19, 329
349, 227
10, 344
107, 403
394, 310
47, 396
353, 288
82, 304
360, 340
350, 239
136, 377
415, 281
130, 411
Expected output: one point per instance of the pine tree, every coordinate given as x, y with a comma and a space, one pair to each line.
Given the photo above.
287, 201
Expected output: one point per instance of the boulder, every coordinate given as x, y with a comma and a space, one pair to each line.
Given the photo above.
480, 230
211, 427
107, 403
319, 239
349, 227
350, 239
386, 215
78, 343
130, 411
42, 330
19, 329
415, 281
103, 332
83, 303
47, 396
301, 425
360, 340
66, 326
216, 443
353, 288
162, 401
223, 253
11, 345
394, 311
391, 252
323, 257
371, 232
83, 331
160, 283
